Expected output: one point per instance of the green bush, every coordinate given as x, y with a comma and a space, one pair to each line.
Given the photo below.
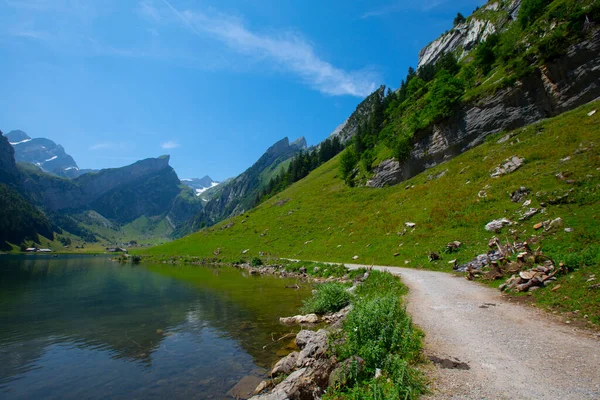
531, 10
554, 45
329, 297
485, 55
348, 161
256, 262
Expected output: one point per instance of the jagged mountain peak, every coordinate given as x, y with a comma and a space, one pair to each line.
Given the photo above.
299, 143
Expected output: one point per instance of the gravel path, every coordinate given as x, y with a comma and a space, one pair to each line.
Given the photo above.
512, 351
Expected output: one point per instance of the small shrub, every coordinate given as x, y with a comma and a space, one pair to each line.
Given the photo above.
256, 262
531, 10
329, 297
348, 161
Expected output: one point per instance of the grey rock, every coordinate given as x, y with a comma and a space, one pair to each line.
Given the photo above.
315, 347
303, 337
508, 166
529, 213
286, 388
388, 173
285, 365
518, 195
497, 225
300, 319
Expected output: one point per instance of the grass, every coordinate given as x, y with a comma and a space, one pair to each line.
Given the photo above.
329, 298
380, 333
319, 218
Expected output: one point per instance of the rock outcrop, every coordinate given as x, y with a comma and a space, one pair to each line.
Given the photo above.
312, 373
559, 86
9, 173
465, 36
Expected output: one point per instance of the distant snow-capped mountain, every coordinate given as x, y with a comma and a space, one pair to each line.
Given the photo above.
44, 153
200, 185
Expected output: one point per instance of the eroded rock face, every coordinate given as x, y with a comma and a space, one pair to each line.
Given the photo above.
9, 173
464, 37
388, 173
561, 85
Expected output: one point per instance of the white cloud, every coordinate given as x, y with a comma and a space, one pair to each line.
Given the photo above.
286, 50
102, 146
393, 8
169, 145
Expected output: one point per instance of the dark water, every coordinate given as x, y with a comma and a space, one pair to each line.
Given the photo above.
83, 327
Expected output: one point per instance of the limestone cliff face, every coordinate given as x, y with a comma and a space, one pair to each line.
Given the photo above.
464, 37
9, 173
559, 86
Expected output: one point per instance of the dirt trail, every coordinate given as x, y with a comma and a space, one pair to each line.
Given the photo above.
512, 351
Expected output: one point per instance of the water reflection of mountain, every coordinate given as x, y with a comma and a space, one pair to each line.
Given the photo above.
102, 306
91, 303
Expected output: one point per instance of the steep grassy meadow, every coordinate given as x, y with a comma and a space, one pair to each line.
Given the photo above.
320, 218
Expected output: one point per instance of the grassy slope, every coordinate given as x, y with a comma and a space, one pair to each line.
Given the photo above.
327, 221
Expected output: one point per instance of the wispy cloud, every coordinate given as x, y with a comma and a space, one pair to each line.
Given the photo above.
110, 146
169, 145
102, 146
288, 51
398, 7
148, 10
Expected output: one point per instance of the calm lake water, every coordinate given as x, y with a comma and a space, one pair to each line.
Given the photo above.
81, 327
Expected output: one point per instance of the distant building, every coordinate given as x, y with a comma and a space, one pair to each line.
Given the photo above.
45, 251
30, 250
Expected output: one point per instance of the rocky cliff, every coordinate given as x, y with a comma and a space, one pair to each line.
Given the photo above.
559, 86
9, 173
19, 219
461, 39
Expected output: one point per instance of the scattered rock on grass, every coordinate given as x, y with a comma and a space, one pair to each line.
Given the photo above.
509, 165
497, 225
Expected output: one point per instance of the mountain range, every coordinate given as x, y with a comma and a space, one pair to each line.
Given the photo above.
500, 69
44, 153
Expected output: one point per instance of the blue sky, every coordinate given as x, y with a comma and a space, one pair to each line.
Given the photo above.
213, 83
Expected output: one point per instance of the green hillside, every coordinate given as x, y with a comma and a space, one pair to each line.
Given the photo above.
320, 218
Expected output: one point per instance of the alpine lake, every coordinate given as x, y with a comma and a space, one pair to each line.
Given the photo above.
84, 327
